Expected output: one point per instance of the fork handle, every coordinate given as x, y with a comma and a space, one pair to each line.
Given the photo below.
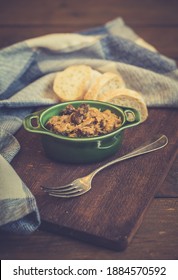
144, 149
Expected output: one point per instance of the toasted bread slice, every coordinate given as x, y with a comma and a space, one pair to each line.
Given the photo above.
94, 75
72, 83
127, 98
104, 83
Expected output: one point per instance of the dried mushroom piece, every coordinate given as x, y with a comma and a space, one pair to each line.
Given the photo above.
68, 110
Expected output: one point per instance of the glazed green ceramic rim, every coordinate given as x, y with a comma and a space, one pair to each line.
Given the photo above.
90, 102
43, 116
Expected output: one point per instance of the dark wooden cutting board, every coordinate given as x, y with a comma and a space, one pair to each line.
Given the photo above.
111, 212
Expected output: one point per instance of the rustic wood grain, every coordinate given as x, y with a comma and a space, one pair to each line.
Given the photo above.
88, 13
169, 188
154, 240
157, 23
112, 211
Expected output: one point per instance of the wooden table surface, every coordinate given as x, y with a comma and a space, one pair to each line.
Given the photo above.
157, 23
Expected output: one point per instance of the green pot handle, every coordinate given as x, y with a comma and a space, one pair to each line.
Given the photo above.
29, 126
132, 118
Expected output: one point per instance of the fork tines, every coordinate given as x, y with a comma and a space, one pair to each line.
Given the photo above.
63, 191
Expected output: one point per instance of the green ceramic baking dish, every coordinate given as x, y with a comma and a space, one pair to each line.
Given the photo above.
80, 150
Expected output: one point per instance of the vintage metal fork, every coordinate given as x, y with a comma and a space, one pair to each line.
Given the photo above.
83, 185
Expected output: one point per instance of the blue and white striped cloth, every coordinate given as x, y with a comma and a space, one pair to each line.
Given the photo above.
27, 70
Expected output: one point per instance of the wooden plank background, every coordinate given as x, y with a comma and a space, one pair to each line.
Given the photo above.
157, 23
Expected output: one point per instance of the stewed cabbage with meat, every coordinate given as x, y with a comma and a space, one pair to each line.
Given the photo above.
84, 121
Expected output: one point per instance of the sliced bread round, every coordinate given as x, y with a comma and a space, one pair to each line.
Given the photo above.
104, 83
127, 98
72, 83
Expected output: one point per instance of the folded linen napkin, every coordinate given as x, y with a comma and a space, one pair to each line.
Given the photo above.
27, 71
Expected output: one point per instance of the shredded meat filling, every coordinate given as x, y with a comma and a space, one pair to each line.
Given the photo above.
85, 121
